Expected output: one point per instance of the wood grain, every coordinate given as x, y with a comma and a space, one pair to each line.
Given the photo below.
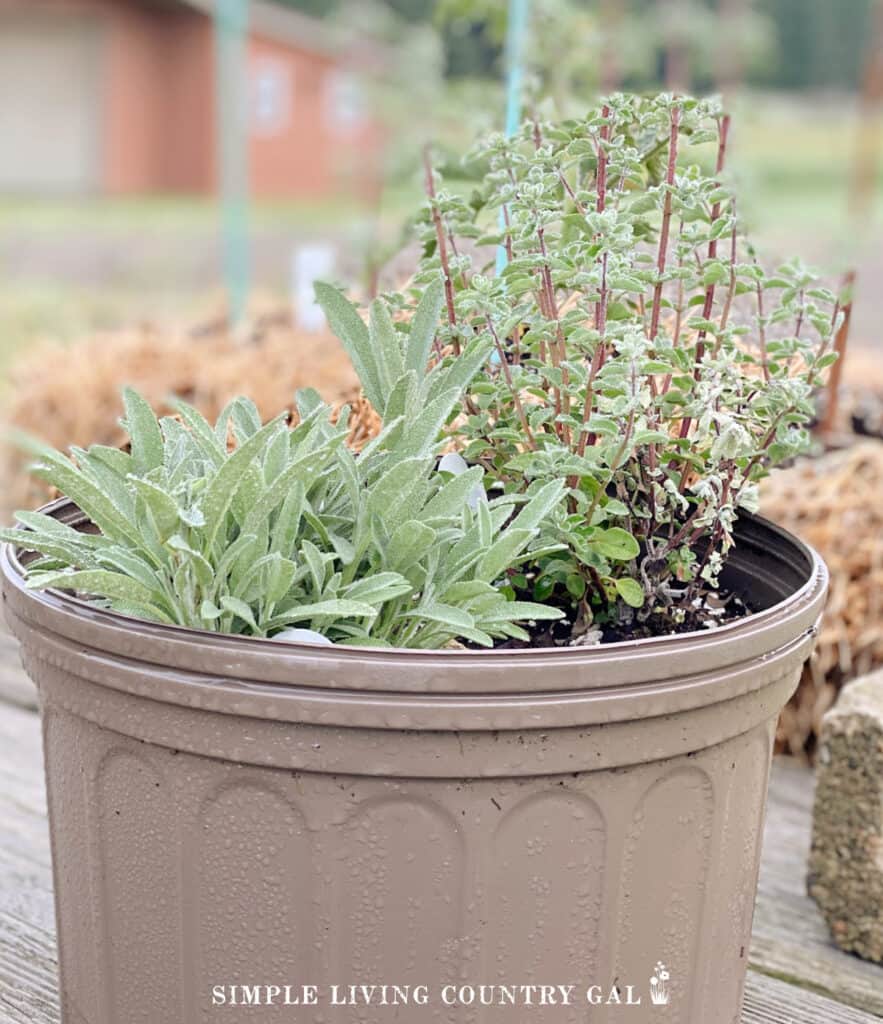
15, 687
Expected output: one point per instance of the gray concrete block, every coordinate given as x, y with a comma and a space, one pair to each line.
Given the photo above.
846, 859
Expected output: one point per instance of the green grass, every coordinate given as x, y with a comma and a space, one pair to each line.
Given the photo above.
173, 215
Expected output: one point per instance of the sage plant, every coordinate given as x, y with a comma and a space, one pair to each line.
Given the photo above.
249, 528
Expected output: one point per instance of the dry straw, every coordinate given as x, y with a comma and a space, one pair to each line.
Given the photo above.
71, 395
835, 502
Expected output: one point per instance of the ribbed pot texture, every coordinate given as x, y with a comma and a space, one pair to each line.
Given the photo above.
229, 811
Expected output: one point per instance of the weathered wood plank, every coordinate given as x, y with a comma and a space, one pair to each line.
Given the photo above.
28, 968
790, 940
769, 1001
15, 687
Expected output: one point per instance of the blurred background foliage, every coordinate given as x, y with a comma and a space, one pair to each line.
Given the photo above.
805, 145
817, 44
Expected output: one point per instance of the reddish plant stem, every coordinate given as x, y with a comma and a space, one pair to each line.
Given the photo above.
679, 311
716, 533
840, 344
600, 207
569, 190
666, 220
798, 326
731, 290
508, 235
585, 435
764, 446
558, 349
549, 306
708, 305
675, 540
761, 331
662, 256
516, 398
440, 241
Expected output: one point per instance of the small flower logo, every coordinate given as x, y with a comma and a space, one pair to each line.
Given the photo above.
659, 990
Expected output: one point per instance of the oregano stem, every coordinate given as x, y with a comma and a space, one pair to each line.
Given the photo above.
708, 305
440, 241
666, 220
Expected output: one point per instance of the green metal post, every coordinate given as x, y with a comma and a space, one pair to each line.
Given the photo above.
516, 36
231, 89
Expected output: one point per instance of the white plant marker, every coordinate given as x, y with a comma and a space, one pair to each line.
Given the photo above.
311, 262
302, 636
455, 464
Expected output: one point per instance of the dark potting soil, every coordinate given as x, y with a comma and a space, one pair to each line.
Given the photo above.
706, 612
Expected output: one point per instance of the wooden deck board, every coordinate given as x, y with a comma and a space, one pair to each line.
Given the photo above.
798, 976
15, 687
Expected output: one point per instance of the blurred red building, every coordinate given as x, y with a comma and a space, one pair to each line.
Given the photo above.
119, 97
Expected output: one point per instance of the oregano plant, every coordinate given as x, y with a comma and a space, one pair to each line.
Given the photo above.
641, 354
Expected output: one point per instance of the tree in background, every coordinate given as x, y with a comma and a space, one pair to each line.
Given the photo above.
867, 157
821, 43
711, 44
789, 44
576, 49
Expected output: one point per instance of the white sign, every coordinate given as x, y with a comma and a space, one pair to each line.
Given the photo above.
310, 263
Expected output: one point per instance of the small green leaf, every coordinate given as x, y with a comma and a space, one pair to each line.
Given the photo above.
502, 554
350, 329
384, 341
375, 590
240, 609
630, 591
453, 496
616, 543
446, 614
224, 483
279, 576
408, 544
162, 507
209, 611
527, 611
143, 428
424, 324
100, 582
334, 608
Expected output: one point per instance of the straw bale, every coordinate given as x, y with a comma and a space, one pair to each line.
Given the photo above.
835, 503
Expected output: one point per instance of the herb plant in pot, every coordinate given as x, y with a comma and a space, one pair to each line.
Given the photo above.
490, 704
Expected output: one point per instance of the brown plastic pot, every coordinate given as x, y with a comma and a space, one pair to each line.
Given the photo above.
230, 811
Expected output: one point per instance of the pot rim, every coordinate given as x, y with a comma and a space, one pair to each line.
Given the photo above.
403, 670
